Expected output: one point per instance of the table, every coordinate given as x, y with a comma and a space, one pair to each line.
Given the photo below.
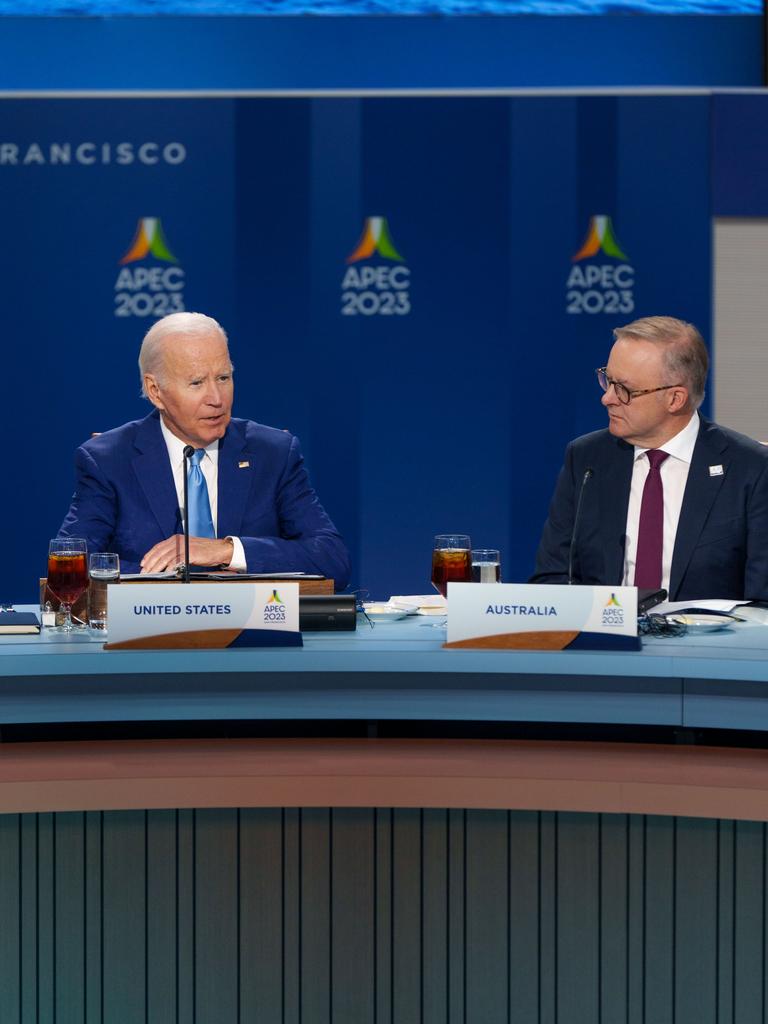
478, 867
396, 671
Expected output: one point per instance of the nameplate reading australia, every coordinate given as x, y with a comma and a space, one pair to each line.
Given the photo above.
522, 616
167, 616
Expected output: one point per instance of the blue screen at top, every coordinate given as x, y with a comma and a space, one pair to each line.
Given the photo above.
375, 7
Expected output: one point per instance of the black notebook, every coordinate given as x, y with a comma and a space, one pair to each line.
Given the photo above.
19, 622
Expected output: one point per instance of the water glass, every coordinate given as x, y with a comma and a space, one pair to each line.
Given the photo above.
486, 565
103, 569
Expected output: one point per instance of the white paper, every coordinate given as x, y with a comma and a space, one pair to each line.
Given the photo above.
713, 604
425, 604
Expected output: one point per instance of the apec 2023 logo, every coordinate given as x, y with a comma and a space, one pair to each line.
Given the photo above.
596, 285
274, 609
376, 288
153, 288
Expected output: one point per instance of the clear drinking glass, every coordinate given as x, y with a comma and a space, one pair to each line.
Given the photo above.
67, 573
103, 569
486, 565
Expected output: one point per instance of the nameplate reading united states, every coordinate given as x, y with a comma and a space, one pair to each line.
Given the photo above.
203, 615
521, 616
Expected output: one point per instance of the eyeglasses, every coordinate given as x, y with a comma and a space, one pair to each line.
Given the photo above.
622, 392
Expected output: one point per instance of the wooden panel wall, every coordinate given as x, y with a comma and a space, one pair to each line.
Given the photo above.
357, 916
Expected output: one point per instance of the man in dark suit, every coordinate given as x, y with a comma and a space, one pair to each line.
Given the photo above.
260, 511
669, 499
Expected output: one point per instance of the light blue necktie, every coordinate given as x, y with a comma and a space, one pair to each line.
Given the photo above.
200, 519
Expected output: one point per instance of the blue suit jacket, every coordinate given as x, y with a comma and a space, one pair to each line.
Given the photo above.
721, 546
125, 499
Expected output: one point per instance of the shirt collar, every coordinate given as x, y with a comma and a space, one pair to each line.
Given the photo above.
176, 447
681, 445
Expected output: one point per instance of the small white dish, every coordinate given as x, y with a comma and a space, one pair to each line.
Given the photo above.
378, 611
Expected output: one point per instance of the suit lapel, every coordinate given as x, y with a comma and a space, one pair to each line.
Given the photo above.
234, 480
155, 476
616, 478
701, 489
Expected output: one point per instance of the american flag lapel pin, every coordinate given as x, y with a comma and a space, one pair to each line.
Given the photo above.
243, 465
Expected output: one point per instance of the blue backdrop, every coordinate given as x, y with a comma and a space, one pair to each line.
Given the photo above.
420, 288
381, 52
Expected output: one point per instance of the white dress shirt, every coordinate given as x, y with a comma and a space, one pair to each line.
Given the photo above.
674, 476
209, 464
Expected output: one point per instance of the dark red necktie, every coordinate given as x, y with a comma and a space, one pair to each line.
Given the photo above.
650, 535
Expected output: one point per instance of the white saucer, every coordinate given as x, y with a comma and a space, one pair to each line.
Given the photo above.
379, 611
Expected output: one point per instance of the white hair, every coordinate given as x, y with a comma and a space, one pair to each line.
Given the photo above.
683, 350
186, 325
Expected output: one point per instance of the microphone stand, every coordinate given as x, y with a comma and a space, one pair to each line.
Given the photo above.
189, 451
587, 476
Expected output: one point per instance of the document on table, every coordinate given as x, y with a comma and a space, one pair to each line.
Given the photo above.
231, 577
423, 604
714, 604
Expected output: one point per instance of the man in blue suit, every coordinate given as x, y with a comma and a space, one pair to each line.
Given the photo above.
261, 513
668, 499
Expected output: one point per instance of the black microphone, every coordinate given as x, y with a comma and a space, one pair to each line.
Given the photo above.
189, 451
588, 474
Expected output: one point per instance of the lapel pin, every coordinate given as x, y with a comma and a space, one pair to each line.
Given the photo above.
715, 470
245, 465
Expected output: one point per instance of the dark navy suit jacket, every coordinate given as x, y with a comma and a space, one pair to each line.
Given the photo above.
125, 499
721, 546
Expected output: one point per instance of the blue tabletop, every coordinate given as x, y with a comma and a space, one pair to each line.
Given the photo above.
394, 670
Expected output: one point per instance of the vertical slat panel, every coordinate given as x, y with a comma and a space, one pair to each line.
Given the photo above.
28, 892
261, 915
749, 952
185, 915
376, 916
406, 911
216, 916
578, 895
352, 925
660, 919
435, 920
614, 894
636, 920
315, 915
10, 918
548, 1009
456, 916
161, 917
696, 922
69, 837
124, 917
487, 916
726, 920
524, 917
383, 916
291, 918
46, 919
93, 918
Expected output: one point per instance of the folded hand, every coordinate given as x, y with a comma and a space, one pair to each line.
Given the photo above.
169, 554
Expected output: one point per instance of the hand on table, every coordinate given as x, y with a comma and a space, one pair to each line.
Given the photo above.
169, 554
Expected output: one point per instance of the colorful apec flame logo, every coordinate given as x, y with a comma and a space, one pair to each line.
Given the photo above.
275, 599
149, 238
600, 236
375, 239
612, 601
